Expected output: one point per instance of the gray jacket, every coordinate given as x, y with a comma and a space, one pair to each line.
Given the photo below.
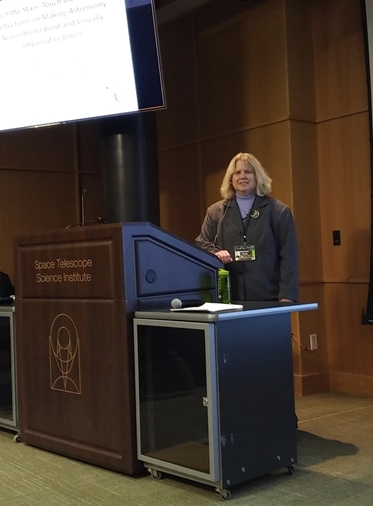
274, 273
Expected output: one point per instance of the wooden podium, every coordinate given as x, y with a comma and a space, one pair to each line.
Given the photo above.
76, 293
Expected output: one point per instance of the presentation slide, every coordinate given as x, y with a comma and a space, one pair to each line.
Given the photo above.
64, 60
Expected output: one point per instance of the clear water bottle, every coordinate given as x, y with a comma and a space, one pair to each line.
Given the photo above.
224, 286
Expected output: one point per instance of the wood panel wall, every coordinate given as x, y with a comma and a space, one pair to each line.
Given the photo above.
42, 172
285, 80
345, 188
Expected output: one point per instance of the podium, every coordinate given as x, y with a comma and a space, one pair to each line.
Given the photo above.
77, 291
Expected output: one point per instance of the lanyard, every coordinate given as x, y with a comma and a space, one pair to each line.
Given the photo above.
247, 221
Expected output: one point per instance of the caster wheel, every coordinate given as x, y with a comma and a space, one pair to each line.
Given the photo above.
225, 494
17, 438
156, 475
291, 469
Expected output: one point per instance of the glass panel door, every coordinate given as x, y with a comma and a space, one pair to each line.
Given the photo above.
174, 388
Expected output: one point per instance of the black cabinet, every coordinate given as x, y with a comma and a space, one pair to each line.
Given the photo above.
8, 390
214, 394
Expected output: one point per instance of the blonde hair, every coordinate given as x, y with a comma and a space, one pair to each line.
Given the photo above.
263, 181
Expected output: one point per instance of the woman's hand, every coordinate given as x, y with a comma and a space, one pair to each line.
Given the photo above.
224, 256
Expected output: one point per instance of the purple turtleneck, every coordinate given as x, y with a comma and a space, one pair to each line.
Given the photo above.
245, 204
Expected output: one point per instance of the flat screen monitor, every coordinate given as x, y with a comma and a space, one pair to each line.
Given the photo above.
68, 60
367, 21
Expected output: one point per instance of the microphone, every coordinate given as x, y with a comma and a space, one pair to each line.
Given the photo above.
82, 207
82, 211
177, 303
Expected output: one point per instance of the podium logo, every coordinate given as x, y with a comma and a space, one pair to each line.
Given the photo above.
64, 355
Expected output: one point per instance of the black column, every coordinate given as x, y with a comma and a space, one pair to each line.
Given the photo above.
130, 168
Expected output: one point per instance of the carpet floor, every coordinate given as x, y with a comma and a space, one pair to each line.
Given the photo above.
335, 468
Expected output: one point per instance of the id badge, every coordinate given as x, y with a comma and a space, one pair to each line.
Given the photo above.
244, 253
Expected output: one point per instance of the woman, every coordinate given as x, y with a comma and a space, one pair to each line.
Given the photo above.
252, 234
